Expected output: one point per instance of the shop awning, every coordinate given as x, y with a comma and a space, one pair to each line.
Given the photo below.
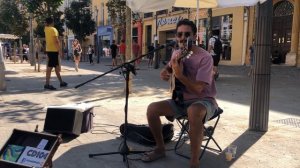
156, 5
8, 36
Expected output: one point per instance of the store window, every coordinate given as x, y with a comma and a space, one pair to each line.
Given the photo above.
202, 30
162, 12
147, 15
174, 9
226, 36
135, 33
222, 23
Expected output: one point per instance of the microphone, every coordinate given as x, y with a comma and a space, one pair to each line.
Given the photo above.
172, 43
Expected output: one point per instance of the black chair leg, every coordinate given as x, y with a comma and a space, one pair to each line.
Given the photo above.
209, 134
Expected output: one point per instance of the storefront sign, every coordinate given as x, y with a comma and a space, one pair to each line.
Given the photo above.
168, 21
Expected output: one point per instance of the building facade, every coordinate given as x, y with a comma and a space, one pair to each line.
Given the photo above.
236, 25
237, 30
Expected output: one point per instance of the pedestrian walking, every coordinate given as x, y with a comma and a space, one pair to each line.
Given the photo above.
122, 51
77, 50
150, 55
113, 49
215, 49
135, 52
53, 51
90, 54
251, 58
24, 53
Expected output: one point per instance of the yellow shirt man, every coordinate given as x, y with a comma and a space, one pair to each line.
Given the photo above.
51, 33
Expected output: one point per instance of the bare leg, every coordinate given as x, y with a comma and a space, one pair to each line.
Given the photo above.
48, 74
154, 112
77, 60
114, 62
57, 71
196, 114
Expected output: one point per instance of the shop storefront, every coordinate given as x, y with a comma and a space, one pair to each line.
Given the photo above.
222, 23
229, 21
105, 37
237, 30
166, 29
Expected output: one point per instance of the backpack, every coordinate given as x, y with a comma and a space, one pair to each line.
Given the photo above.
142, 133
218, 46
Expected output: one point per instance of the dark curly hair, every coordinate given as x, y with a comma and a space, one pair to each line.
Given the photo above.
188, 23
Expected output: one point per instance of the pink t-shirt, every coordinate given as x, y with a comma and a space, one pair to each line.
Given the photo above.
199, 67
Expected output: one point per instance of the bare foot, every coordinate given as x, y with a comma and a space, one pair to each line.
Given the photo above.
153, 155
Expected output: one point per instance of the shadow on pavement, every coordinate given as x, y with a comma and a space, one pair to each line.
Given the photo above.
78, 156
21, 111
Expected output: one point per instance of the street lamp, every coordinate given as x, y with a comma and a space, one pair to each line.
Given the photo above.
97, 41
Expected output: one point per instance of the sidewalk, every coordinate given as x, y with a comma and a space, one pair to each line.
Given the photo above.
23, 102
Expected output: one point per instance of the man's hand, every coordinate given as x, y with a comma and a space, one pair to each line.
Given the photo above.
177, 67
165, 75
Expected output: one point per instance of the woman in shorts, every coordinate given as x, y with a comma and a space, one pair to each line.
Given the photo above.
76, 53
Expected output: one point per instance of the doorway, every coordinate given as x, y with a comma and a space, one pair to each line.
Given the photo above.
282, 30
170, 37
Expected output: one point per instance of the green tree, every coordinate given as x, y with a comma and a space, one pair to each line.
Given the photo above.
79, 19
58, 24
117, 12
41, 9
12, 19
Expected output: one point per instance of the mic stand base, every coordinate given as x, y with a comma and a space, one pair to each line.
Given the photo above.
124, 149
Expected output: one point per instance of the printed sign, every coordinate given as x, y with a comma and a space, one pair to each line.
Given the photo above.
168, 20
33, 157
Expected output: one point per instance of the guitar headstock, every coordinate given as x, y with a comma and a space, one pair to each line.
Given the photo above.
187, 49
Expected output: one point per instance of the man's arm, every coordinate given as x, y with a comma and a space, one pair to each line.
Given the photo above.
209, 48
210, 44
193, 86
57, 44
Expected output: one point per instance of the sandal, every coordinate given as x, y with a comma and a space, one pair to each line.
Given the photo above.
152, 156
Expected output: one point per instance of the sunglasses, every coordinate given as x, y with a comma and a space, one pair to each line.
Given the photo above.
186, 34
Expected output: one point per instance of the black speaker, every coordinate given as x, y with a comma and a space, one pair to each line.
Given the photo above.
65, 121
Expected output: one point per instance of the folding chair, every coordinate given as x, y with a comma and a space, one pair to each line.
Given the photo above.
208, 133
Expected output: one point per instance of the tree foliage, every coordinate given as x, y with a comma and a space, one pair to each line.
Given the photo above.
117, 12
41, 9
79, 19
12, 19
58, 24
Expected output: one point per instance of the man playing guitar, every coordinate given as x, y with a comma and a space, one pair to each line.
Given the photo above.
198, 94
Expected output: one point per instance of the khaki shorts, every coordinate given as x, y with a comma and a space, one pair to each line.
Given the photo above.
122, 56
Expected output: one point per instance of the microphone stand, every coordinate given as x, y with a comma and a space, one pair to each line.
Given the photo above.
126, 68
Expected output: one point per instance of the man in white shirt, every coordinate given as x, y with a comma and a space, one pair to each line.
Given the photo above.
215, 50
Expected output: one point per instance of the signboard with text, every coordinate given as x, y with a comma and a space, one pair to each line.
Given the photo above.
33, 157
168, 20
